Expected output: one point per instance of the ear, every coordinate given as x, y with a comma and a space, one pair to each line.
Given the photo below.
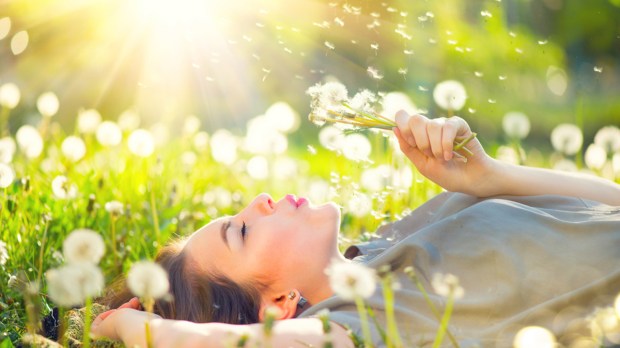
285, 302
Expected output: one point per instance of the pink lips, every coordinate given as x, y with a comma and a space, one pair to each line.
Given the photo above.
297, 202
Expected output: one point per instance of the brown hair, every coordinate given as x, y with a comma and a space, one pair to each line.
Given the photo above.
196, 296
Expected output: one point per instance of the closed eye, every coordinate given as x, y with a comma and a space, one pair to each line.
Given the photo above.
243, 231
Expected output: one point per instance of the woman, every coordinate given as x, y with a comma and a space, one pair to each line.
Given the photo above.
544, 256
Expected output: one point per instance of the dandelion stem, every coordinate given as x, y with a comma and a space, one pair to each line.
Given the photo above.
113, 236
460, 145
443, 326
87, 322
155, 217
62, 328
393, 337
41, 252
361, 309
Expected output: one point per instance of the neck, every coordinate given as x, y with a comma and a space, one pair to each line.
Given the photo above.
319, 289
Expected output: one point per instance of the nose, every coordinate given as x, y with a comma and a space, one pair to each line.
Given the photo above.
261, 205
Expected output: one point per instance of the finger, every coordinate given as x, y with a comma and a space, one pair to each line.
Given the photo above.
434, 129
413, 153
418, 123
402, 118
133, 303
448, 135
96, 325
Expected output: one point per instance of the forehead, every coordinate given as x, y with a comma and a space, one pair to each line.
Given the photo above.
206, 241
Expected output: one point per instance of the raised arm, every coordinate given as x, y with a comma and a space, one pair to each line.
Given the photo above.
128, 326
429, 145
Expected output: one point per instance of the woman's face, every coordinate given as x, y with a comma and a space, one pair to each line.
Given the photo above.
283, 242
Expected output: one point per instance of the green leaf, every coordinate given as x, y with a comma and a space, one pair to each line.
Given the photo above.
7, 344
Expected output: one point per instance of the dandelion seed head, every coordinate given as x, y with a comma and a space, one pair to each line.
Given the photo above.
71, 284
7, 175
83, 246
9, 95
331, 138
201, 141
534, 336
109, 133
595, 157
567, 138
129, 120
114, 208
48, 104
147, 279
224, 147
328, 95
263, 138
447, 285
393, 102
450, 95
4, 254
73, 148
282, 117
352, 280
258, 168
364, 100
7, 149
191, 125
608, 138
29, 141
516, 125
557, 80
141, 143
356, 147
88, 121
359, 205
62, 188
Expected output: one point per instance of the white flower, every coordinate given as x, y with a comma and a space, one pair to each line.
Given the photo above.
356, 147
73, 148
258, 168
516, 125
447, 285
608, 138
7, 175
534, 336
283, 118
567, 138
191, 125
224, 147
147, 279
29, 141
71, 284
7, 149
83, 245
48, 104
109, 134
595, 157
350, 280
115, 208
141, 143
88, 121
450, 95
331, 138
129, 120
9, 95
364, 100
62, 188
4, 254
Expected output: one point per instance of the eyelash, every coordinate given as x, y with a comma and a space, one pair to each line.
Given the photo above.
243, 231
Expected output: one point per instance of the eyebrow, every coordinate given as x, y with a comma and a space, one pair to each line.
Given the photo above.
223, 230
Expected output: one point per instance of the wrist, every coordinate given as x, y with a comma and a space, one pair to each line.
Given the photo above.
492, 177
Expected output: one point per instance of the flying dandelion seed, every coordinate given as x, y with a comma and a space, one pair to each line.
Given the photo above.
329, 45
7, 175
351, 280
598, 69
48, 104
543, 42
73, 148
9, 95
486, 14
408, 52
339, 21
311, 150
374, 73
